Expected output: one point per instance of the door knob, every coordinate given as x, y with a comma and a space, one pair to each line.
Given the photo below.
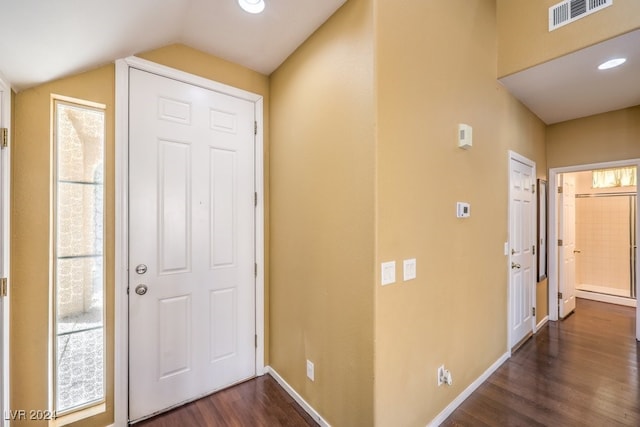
141, 289
141, 269
514, 265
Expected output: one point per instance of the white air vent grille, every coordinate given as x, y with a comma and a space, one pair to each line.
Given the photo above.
572, 10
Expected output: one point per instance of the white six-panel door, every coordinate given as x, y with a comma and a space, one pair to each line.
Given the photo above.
191, 242
522, 240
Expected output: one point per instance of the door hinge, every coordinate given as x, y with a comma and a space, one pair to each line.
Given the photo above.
255, 128
533, 188
559, 295
255, 199
534, 249
255, 269
4, 137
560, 190
256, 340
533, 311
560, 242
3, 287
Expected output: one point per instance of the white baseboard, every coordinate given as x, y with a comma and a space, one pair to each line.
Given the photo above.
611, 299
542, 323
294, 394
439, 419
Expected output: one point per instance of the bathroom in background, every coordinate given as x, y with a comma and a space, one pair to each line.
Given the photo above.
605, 215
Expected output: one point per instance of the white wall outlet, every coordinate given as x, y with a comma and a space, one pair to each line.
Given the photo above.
388, 273
310, 370
444, 376
440, 375
409, 269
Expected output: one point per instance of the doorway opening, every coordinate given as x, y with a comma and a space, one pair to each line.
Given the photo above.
123, 233
606, 234
605, 208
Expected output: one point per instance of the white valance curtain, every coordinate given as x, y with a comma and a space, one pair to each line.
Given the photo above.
619, 177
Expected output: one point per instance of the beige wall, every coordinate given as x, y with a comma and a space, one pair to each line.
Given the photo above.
30, 211
322, 217
30, 207
434, 70
524, 38
601, 138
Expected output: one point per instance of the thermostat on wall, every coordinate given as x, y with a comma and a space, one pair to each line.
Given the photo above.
465, 136
463, 210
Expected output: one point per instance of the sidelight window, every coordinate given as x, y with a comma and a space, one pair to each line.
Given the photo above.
78, 256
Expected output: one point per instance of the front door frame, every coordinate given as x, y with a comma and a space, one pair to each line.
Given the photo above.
552, 228
5, 188
121, 384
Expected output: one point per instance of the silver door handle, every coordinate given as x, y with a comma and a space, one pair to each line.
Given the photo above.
514, 265
141, 289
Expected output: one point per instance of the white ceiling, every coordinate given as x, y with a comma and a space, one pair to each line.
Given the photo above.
41, 40
572, 86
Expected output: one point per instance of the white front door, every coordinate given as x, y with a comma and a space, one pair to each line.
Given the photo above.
191, 242
567, 245
522, 240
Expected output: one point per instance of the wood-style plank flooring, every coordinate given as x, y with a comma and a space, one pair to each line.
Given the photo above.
582, 371
260, 402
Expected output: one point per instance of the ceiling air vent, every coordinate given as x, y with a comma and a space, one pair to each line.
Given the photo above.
572, 10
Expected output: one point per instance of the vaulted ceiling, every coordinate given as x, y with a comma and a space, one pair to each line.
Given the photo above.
41, 40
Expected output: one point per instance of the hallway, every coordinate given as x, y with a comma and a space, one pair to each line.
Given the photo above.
582, 371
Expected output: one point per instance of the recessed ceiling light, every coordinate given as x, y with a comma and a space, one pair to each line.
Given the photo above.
252, 6
611, 63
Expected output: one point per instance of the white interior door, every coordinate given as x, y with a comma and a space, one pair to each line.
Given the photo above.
522, 240
191, 243
566, 245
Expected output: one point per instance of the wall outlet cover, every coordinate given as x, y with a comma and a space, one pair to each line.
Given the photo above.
310, 370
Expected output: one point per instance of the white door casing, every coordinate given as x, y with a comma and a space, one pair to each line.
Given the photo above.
567, 244
521, 243
5, 122
191, 201
553, 267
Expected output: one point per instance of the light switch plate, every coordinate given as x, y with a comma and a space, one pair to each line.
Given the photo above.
388, 273
409, 269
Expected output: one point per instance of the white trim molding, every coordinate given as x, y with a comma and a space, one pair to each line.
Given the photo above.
121, 393
294, 394
5, 213
439, 419
542, 322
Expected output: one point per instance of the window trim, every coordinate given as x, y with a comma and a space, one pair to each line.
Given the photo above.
99, 405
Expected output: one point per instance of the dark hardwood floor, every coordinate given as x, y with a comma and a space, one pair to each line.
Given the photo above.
582, 371
260, 402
